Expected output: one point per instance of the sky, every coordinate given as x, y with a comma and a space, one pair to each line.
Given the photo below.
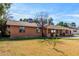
66, 12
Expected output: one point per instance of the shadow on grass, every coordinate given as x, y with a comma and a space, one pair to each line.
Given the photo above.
54, 46
60, 51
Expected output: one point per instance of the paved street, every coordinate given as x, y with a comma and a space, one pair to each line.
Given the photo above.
75, 36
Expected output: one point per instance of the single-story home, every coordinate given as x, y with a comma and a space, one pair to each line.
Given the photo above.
26, 29
75, 31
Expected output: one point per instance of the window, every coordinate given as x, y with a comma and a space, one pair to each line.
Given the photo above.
21, 29
38, 30
8, 26
52, 31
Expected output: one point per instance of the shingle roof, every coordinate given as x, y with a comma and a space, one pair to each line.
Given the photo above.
21, 23
57, 27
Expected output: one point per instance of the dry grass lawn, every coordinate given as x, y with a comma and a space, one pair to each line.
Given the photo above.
39, 48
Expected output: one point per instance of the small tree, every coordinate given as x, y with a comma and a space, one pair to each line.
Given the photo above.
66, 24
3, 19
61, 23
21, 19
25, 20
50, 21
36, 20
73, 25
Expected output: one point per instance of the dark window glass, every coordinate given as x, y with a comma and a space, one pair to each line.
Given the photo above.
21, 29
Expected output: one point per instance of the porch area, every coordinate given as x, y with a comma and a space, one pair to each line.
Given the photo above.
58, 32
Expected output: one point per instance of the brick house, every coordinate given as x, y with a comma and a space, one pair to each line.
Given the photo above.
26, 29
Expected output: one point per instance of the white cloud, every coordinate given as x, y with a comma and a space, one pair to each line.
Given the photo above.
18, 16
73, 15
59, 16
65, 17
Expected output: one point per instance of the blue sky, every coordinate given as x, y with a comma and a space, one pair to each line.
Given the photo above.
67, 12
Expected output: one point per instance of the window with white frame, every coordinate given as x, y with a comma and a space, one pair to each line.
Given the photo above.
21, 29
38, 30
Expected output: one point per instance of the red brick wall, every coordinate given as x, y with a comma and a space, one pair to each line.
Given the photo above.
29, 32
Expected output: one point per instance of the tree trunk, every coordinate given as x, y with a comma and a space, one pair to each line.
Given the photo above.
42, 27
3, 29
42, 31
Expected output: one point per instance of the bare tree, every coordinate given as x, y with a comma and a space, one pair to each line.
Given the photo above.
42, 20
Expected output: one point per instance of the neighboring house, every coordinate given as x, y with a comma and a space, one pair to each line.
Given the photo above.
75, 31
26, 29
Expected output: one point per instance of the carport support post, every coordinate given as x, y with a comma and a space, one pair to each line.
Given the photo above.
47, 32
